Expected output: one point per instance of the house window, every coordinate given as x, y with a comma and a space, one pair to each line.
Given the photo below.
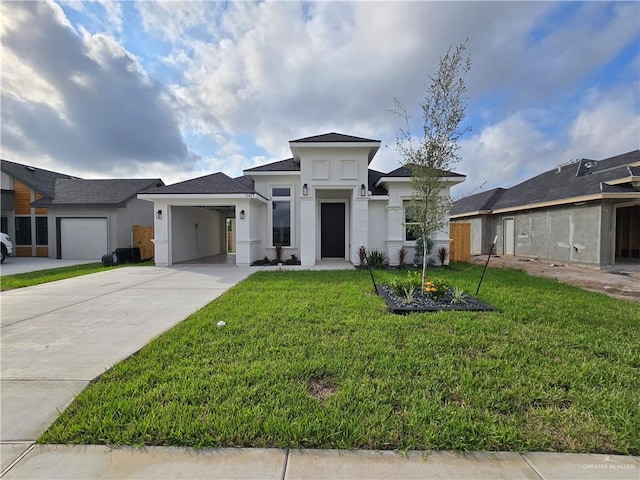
23, 230
411, 230
281, 216
42, 231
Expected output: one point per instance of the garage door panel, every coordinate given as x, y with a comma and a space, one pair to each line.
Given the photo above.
83, 238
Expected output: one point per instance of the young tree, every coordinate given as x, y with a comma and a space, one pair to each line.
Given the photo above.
432, 155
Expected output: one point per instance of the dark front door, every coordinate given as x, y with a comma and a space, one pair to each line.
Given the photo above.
332, 230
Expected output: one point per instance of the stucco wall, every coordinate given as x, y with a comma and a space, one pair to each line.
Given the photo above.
568, 234
377, 225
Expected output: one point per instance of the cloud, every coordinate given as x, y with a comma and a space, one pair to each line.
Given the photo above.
80, 97
516, 148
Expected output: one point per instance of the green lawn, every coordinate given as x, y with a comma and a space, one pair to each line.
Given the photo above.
313, 360
28, 279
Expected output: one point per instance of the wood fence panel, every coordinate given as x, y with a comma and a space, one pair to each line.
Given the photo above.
142, 236
460, 248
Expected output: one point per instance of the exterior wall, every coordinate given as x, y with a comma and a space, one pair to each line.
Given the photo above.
22, 198
607, 234
120, 222
563, 233
199, 233
399, 192
377, 224
7, 204
341, 170
263, 230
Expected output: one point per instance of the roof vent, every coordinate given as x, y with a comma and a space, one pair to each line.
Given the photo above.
588, 164
31, 169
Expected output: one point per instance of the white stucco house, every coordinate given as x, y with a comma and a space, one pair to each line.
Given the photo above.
322, 203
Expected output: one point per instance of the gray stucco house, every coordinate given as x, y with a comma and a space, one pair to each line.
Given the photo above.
51, 214
584, 212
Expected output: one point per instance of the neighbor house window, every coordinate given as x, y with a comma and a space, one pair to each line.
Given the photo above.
23, 230
411, 232
281, 216
42, 231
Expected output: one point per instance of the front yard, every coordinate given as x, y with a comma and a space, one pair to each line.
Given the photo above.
313, 360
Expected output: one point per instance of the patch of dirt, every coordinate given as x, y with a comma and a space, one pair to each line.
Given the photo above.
622, 285
321, 388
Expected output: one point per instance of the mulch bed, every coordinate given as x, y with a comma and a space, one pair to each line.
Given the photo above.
422, 303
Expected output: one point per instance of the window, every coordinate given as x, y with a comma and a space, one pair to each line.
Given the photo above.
411, 226
23, 230
42, 231
281, 216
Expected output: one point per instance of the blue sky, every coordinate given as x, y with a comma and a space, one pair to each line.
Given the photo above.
182, 89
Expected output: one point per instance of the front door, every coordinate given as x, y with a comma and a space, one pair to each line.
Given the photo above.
332, 230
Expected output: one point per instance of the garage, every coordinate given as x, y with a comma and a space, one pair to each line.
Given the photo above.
82, 238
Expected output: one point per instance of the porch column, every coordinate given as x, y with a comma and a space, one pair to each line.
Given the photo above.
161, 233
243, 234
308, 225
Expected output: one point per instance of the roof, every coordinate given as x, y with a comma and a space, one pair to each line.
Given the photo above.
478, 202
578, 179
86, 193
288, 165
406, 171
374, 177
38, 179
208, 184
332, 137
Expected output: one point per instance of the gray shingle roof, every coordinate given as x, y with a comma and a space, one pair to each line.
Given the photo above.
86, 193
208, 184
288, 165
332, 137
38, 179
374, 176
582, 178
405, 171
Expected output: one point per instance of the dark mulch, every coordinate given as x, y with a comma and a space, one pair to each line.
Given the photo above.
422, 303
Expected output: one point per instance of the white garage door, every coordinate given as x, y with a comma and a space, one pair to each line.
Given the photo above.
83, 238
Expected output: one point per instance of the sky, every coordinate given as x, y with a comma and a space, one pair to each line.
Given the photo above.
177, 90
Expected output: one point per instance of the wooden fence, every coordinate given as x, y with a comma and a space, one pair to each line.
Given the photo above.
460, 247
142, 236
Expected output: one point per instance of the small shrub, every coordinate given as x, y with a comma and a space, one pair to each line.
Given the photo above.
401, 286
277, 250
443, 253
402, 256
457, 295
417, 255
376, 258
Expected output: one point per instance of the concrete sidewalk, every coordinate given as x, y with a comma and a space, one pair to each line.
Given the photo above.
100, 462
58, 336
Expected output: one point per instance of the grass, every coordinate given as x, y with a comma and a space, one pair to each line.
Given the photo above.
28, 279
313, 360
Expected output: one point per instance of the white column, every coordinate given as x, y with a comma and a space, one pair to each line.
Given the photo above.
243, 234
308, 224
161, 234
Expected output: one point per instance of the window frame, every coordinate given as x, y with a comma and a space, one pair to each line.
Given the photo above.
18, 231
282, 198
38, 231
406, 204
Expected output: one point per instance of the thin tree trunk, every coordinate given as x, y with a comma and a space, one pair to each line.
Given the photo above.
424, 264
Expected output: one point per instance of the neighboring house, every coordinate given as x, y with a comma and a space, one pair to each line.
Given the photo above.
585, 212
324, 202
50, 214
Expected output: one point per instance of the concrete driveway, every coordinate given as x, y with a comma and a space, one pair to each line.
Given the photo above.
13, 265
58, 336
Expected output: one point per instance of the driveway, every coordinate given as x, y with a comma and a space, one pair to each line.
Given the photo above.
58, 336
13, 265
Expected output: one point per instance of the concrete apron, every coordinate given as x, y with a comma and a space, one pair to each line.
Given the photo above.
56, 337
